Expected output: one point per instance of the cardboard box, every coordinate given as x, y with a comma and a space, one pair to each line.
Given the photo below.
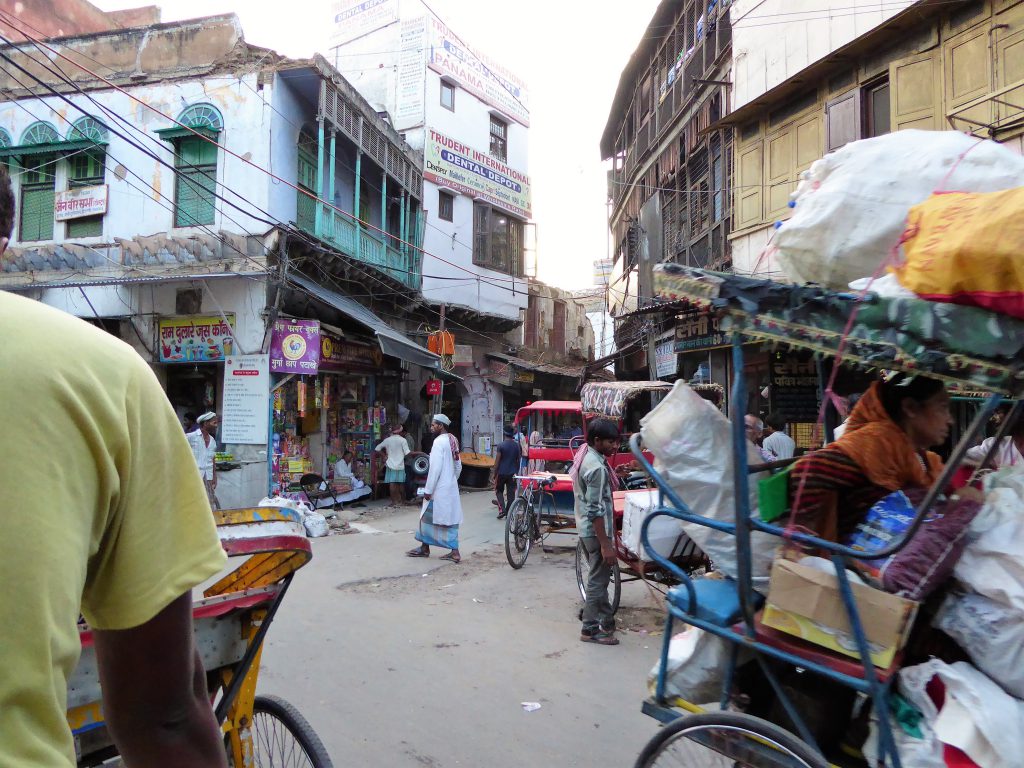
664, 531
805, 602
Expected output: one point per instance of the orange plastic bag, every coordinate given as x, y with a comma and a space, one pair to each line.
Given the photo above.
967, 248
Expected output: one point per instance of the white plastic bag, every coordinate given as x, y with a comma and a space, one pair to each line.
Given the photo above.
692, 445
852, 205
696, 666
977, 716
992, 634
316, 525
993, 560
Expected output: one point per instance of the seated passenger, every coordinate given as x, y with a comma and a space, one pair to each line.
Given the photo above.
1010, 452
884, 449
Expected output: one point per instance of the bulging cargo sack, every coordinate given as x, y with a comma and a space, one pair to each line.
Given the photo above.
692, 445
852, 205
967, 249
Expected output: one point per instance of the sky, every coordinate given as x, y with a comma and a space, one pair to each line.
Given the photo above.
569, 52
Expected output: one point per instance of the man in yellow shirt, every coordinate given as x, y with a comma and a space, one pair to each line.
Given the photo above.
105, 514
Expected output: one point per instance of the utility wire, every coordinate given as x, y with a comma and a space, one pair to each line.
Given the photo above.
5, 17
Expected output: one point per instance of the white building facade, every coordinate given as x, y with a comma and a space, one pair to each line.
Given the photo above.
469, 116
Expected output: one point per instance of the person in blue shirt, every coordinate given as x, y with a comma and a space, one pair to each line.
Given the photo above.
506, 464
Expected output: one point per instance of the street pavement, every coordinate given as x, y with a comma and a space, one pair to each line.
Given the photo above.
412, 662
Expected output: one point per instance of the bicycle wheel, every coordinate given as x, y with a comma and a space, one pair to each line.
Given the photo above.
518, 538
614, 585
281, 737
727, 740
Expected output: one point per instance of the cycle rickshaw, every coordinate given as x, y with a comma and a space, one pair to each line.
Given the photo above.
964, 346
231, 622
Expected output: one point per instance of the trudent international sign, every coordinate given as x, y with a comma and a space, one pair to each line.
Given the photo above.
450, 163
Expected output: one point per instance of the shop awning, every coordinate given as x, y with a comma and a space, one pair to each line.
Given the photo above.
391, 341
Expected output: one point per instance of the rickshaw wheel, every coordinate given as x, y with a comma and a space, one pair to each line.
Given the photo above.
282, 738
518, 538
727, 740
615, 586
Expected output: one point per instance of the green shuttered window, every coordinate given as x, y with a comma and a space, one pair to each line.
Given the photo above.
37, 198
196, 182
86, 169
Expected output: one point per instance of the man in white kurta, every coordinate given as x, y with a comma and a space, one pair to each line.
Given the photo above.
442, 486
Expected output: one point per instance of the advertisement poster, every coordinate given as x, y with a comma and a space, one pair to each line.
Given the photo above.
295, 346
412, 70
484, 78
196, 339
666, 362
244, 414
354, 18
469, 171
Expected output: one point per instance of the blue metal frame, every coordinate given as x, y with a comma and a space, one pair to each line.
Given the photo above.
742, 527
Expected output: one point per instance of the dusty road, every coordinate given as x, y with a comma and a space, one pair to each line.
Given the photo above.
405, 662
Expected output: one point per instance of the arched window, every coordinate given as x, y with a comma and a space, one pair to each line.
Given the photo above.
5, 139
40, 133
202, 116
195, 161
89, 129
305, 206
87, 168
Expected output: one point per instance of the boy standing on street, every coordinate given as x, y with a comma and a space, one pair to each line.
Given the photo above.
592, 487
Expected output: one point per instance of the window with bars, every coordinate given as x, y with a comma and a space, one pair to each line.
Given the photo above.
445, 206
86, 169
37, 197
497, 240
195, 183
305, 206
499, 139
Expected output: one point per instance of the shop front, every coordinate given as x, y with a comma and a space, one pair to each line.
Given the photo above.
703, 353
193, 349
332, 395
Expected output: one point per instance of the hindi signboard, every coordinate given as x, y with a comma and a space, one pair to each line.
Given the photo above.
295, 346
484, 78
794, 386
341, 356
196, 339
79, 202
246, 403
450, 163
696, 330
354, 18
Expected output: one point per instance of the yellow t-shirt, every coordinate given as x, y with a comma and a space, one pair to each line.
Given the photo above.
103, 510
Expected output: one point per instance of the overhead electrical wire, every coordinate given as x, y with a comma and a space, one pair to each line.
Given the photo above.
4, 16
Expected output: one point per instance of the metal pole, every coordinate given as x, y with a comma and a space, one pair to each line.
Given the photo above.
738, 409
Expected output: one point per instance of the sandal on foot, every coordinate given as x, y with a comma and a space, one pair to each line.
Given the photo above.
451, 556
417, 553
600, 637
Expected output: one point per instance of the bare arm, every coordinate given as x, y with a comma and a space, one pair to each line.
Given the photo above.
154, 693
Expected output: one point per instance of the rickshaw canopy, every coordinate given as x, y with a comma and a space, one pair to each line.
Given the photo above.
610, 398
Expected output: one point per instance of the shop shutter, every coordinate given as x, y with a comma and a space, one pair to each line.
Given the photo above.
915, 94
37, 214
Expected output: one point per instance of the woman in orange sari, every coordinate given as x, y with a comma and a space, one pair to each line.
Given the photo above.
885, 448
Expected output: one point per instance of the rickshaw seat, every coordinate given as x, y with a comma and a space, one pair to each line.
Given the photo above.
837, 662
718, 600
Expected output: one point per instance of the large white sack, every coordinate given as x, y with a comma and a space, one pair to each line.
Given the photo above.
990, 632
977, 715
696, 666
993, 560
852, 205
692, 445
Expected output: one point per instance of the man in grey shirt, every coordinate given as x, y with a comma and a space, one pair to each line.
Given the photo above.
595, 522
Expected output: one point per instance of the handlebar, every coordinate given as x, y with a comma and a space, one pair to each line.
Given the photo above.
541, 482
